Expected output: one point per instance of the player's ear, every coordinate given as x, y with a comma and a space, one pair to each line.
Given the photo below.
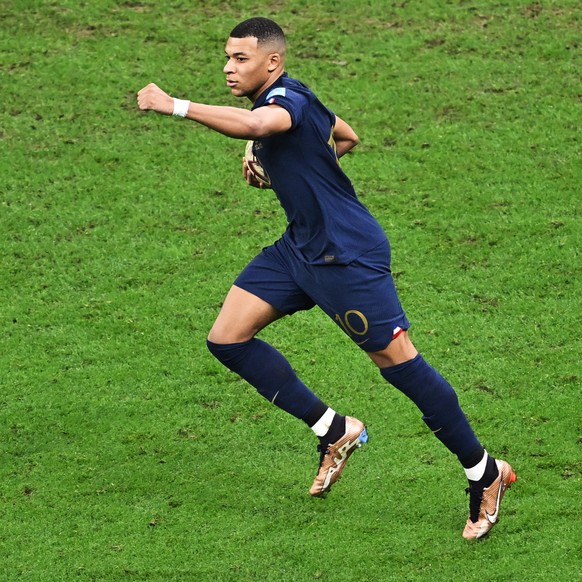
275, 62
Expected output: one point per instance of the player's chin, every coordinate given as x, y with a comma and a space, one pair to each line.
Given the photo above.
237, 92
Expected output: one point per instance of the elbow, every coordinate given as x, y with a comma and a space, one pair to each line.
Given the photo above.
254, 130
352, 141
257, 128
353, 137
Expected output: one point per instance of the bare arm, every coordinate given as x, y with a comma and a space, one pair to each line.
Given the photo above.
344, 136
230, 121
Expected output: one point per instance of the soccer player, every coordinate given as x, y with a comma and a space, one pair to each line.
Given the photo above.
333, 254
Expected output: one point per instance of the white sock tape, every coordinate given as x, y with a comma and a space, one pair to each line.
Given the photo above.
321, 427
181, 107
475, 473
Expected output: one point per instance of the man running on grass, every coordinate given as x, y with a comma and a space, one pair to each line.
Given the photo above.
333, 254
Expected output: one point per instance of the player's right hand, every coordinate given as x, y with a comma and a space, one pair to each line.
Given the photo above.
152, 97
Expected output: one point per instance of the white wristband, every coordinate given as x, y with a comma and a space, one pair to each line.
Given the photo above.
181, 107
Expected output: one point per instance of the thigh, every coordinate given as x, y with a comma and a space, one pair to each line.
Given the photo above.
271, 277
362, 299
241, 317
264, 292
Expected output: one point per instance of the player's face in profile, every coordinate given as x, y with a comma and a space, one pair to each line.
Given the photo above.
247, 67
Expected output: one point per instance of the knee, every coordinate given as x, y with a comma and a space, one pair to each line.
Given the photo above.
212, 347
399, 350
222, 334
217, 349
228, 354
217, 336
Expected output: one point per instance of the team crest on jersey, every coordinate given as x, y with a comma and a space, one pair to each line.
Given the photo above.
278, 91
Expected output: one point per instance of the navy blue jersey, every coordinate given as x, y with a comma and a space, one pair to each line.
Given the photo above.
327, 223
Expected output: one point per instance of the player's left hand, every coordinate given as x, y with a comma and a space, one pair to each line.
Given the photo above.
152, 97
250, 177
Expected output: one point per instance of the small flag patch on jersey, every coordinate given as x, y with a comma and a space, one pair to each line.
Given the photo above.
275, 92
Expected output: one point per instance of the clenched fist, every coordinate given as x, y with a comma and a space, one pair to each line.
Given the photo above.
152, 97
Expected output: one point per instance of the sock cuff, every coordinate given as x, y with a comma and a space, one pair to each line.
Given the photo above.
477, 471
321, 427
315, 413
225, 347
398, 369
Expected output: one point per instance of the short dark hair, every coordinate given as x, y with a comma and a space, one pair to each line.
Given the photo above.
263, 29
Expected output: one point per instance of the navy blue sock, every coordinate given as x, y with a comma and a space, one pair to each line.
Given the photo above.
439, 405
262, 366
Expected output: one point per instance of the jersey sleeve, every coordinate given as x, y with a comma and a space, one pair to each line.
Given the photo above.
290, 100
333, 118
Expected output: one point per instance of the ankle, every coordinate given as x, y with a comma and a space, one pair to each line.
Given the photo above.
489, 475
336, 430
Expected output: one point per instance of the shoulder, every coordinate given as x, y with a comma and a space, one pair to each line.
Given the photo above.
294, 86
285, 89
291, 95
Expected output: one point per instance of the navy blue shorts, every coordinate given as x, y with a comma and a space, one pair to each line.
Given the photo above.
360, 297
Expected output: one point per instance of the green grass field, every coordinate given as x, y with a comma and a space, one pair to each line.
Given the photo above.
127, 451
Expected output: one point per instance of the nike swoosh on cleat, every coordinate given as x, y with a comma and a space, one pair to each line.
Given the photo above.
492, 517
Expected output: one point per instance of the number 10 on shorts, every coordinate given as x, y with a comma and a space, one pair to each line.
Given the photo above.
354, 323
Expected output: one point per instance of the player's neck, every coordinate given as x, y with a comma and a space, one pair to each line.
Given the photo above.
271, 81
